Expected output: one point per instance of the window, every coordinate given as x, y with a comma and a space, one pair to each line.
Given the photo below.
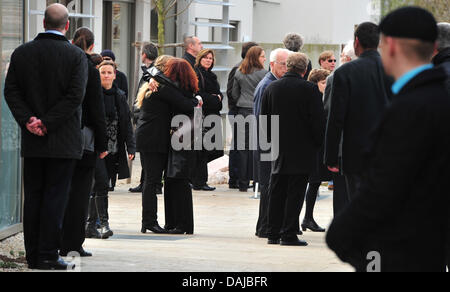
80, 14
11, 36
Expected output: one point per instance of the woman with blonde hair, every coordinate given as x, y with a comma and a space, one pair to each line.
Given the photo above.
145, 91
247, 78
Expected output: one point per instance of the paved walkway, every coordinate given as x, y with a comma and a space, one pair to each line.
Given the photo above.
224, 239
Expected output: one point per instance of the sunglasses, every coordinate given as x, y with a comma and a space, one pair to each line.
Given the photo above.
332, 61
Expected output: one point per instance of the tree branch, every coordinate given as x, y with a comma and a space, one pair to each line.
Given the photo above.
182, 11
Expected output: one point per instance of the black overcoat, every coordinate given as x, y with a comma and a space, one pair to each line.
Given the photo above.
298, 104
359, 97
126, 139
94, 113
209, 87
402, 194
153, 128
47, 79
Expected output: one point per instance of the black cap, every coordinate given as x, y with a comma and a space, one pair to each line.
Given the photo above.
410, 22
108, 53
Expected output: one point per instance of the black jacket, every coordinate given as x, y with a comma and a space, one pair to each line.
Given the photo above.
122, 82
125, 134
231, 100
402, 193
153, 128
47, 79
191, 59
360, 95
443, 59
209, 88
298, 104
94, 112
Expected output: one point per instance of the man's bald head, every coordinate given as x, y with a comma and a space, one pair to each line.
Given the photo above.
56, 17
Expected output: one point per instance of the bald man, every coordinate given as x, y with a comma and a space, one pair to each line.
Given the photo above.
44, 89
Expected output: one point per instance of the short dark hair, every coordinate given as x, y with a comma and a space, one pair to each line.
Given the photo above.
54, 21
368, 34
247, 46
150, 51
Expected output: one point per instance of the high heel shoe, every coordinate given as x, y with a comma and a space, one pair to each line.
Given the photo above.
311, 225
155, 229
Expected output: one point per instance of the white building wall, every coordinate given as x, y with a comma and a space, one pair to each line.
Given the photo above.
319, 21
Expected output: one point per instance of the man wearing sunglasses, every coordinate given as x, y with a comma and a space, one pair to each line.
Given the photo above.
327, 61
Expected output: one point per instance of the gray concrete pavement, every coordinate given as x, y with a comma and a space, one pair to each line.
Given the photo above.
224, 239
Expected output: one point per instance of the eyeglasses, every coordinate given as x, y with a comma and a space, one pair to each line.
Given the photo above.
332, 61
281, 63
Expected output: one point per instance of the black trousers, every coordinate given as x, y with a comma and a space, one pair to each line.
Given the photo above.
154, 165
340, 195
77, 209
179, 211
353, 182
262, 225
234, 155
199, 176
245, 162
311, 198
46, 188
286, 196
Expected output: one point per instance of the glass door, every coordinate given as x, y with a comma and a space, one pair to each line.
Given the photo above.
11, 36
118, 24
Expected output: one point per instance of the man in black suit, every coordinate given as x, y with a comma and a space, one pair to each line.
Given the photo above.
298, 104
359, 97
402, 194
44, 89
148, 57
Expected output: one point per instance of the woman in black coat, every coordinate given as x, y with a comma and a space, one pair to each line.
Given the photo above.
320, 172
120, 141
93, 118
209, 90
153, 142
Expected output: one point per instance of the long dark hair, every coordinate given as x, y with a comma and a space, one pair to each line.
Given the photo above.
83, 38
251, 62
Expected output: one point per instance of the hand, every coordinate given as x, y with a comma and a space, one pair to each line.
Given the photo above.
334, 169
36, 127
153, 85
131, 157
103, 155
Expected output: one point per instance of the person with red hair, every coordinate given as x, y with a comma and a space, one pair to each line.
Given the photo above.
175, 96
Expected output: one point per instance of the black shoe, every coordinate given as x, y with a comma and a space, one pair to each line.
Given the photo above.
81, 252
111, 189
177, 231
263, 235
233, 186
205, 188
294, 242
58, 265
106, 232
273, 241
155, 229
137, 189
243, 190
299, 232
311, 225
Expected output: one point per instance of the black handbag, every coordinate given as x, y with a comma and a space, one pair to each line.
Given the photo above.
88, 137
